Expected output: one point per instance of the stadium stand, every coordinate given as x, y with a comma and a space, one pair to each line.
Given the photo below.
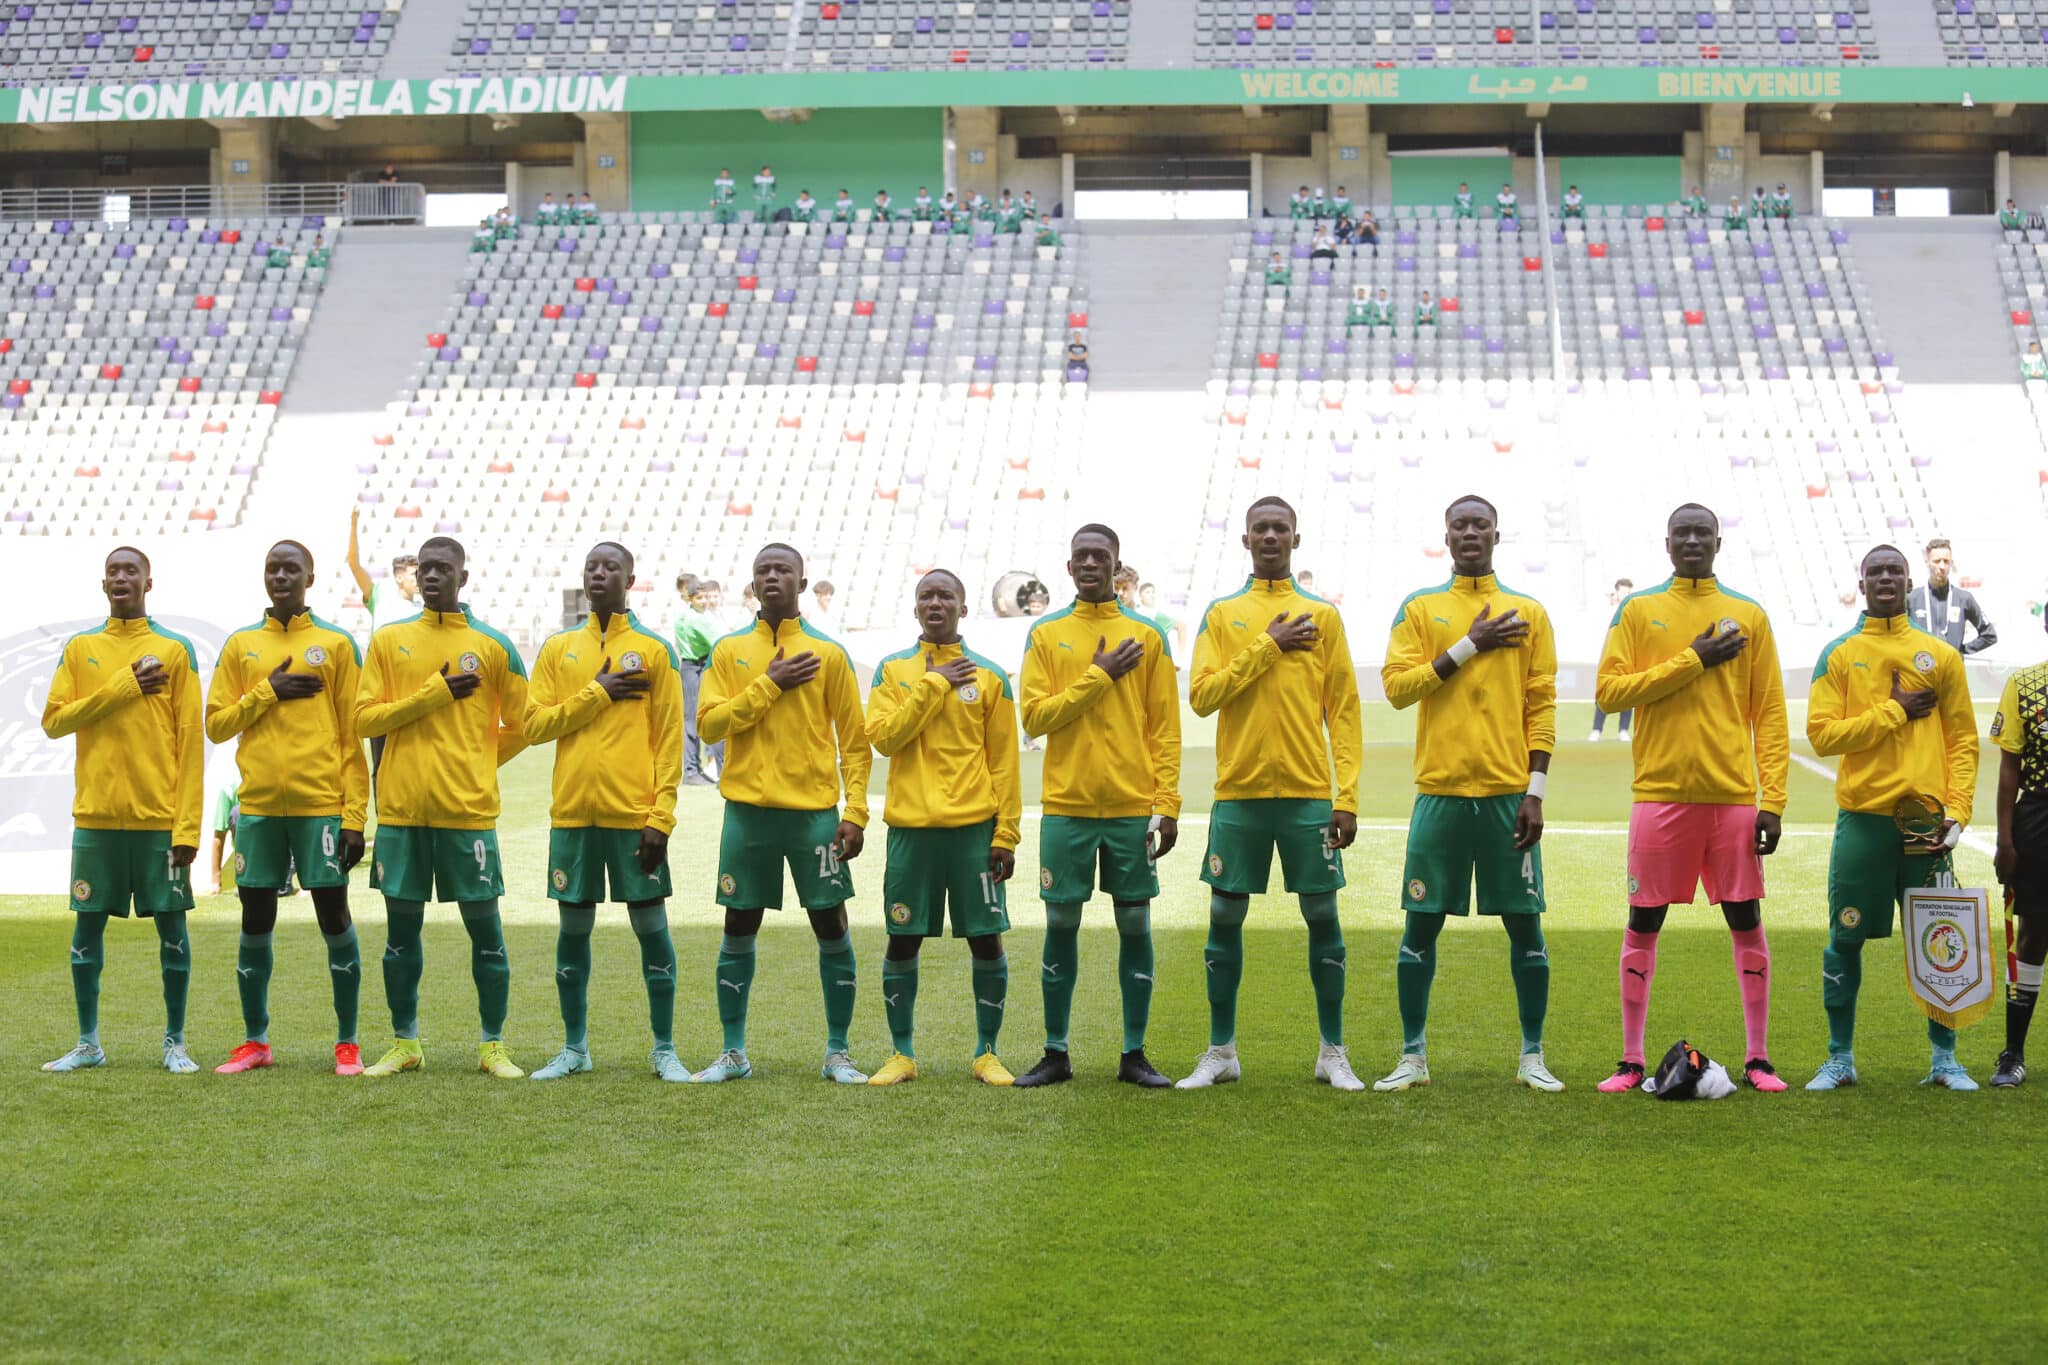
886, 396
143, 368
1993, 32
2023, 278
44, 43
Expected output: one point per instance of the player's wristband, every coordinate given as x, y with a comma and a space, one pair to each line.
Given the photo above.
1461, 652
1537, 782
1953, 837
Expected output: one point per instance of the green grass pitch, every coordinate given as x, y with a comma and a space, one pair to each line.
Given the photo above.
291, 1215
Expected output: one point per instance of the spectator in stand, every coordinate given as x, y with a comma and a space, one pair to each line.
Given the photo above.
1148, 603
1009, 214
279, 257
1781, 203
1735, 220
722, 190
1077, 355
586, 211
484, 240
1299, 206
1362, 312
1028, 207
750, 605
319, 256
389, 175
1942, 607
1368, 233
842, 207
884, 210
1759, 202
1383, 311
1507, 205
1694, 205
1425, 312
1461, 203
1622, 588
921, 207
1126, 582
1323, 248
547, 213
1048, 235
2011, 219
1277, 271
1340, 203
805, 209
820, 615
697, 626
764, 194
2034, 365
1318, 207
1574, 204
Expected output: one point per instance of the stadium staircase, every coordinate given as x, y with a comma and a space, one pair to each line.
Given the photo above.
422, 42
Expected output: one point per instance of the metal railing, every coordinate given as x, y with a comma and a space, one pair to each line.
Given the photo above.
359, 202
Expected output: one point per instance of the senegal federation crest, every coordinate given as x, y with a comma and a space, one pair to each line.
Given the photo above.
470, 663
315, 655
81, 890
378, 868
727, 884
560, 879
1924, 661
1215, 864
149, 661
1944, 947
899, 913
1045, 878
1729, 625
1416, 890
970, 693
1850, 917
630, 662
241, 864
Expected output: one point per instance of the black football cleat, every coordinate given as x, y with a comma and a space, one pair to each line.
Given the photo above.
1052, 1068
2012, 1071
1137, 1069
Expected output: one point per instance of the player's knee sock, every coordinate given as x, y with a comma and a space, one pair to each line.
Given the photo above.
1941, 1037
1057, 969
991, 994
1133, 970
174, 954
405, 961
345, 972
1223, 958
1326, 964
735, 979
899, 1002
1529, 965
572, 973
253, 961
838, 977
88, 955
1841, 976
1753, 974
657, 968
1638, 970
2019, 1005
488, 965
1414, 970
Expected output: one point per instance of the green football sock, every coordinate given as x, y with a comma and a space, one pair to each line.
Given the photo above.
1529, 965
1326, 964
88, 955
1841, 975
1414, 971
836, 977
405, 961
1059, 965
174, 953
488, 965
572, 973
253, 961
899, 1002
345, 970
1134, 970
1224, 959
735, 975
991, 993
1942, 1037
658, 967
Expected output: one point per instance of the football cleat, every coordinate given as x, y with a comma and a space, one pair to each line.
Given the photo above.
1217, 1066
177, 1061
1593, 738
1532, 1073
1627, 1076
1333, 1064
1838, 1072
839, 1067
2011, 1071
1053, 1068
80, 1058
1948, 1073
668, 1066
567, 1062
1135, 1068
897, 1069
1413, 1070
406, 1054
1762, 1076
732, 1065
250, 1056
493, 1058
989, 1071
348, 1059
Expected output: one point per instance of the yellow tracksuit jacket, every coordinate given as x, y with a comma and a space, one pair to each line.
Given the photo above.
780, 749
952, 753
1885, 756
1707, 736
617, 764
1476, 729
302, 758
1112, 746
441, 756
1275, 706
141, 760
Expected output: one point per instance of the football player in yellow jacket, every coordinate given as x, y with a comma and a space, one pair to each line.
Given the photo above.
449, 694
1098, 683
1479, 662
1272, 664
783, 696
609, 694
1893, 701
285, 690
945, 719
130, 692
1697, 663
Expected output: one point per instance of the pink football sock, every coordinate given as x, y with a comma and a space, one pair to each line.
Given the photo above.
1638, 966
1753, 974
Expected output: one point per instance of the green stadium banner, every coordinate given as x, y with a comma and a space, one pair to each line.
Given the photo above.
171, 100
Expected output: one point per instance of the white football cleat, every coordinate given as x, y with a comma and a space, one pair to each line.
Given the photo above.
1532, 1073
1217, 1066
1333, 1064
1413, 1070
176, 1060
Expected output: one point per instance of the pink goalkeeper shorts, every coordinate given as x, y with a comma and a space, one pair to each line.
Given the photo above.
1674, 846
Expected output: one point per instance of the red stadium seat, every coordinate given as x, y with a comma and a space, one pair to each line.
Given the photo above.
1710, 52
408, 511
382, 438
586, 285
110, 371
1448, 304
807, 364
437, 339
853, 437
1433, 551
632, 424
203, 304
270, 397
551, 310
1269, 360
1404, 387
232, 237
1816, 490
1333, 403
6, 345
828, 11
717, 310
750, 282
498, 467
1653, 223
1077, 319
86, 471
201, 514
1235, 419
557, 495
1251, 462
959, 56
1695, 317
584, 380
1852, 52
863, 308
888, 494
981, 390
1264, 21
189, 384
1031, 495
145, 52
1016, 462
790, 423
1596, 250
214, 428
1503, 35
1532, 264
17, 386
1503, 447
183, 456
2022, 317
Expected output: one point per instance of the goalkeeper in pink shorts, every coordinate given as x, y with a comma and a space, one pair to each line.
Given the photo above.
1697, 663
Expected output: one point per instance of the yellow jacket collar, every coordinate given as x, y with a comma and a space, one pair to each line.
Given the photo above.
1272, 587
300, 621
140, 625
1692, 587
1486, 582
458, 617
1097, 611
788, 631
1866, 624
621, 621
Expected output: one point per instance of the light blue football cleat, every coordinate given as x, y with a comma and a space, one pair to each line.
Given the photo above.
80, 1058
176, 1060
567, 1062
732, 1065
839, 1067
668, 1066
1838, 1072
1948, 1073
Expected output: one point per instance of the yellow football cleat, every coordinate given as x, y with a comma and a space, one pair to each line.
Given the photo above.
897, 1068
989, 1071
405, 1055
493, 1058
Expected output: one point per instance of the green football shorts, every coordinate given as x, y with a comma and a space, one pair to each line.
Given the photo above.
580, 861
755, 843
1452, 839
1243, 835
927, 868
1869, 872
413, 861
1077, 855
111, 867
267, 847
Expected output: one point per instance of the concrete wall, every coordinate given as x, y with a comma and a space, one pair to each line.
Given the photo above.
2030, 181
675, 156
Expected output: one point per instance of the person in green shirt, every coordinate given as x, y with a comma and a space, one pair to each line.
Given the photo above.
842, 207
1735, 220
1382, 311
586, 212
2012, 220
279, 257
984, 208
505, 225
483, 240
546, 213
1425, 312
1781, 203
884, 210
1169, 624
1318, 207
921, 207
722, 188
1047, 236
1009, 215
722, 211
1461, 203
805, 209
1297, 207
1694, 204
1277, 271
2034, 365
1340, 203
1028, 206
1759, 202
959, 215
1574, 204
1507, 205
1361, 312
764, 195
697, 628
317, 258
